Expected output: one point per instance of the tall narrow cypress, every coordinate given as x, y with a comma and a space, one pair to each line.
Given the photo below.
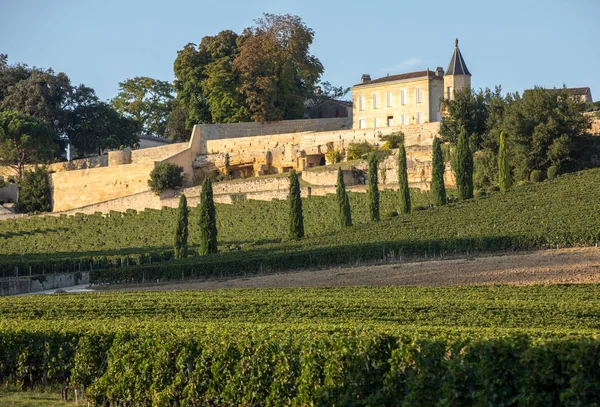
403, 190
373, 191
463, 167
504, 178
208, 220
181, 231
296, 217
438, 188
345, 214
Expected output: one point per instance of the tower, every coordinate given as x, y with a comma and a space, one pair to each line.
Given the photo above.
457, 75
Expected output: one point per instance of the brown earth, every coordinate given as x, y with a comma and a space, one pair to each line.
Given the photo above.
562, 266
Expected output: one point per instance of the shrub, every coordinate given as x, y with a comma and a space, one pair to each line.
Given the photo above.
480, 193
357, 151
391, 214
34, 192
493, 188
552, 172
536, 176
165, 176
392, 140
333, 156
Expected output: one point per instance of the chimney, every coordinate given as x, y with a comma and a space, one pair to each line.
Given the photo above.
439, 71
365, 78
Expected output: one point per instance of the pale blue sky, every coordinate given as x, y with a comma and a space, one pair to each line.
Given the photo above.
515, 43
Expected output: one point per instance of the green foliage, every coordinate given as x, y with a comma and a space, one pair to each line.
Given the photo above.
165, 176
181, 230
504, 176
147, 101
552, 172
207, 223
267, 73
356, 151
345, 214
24, 140
392, 140
34, 192
403, 191
536, 176
333, 156
295, 202
485, 169
438, 188
373, 189
463, 167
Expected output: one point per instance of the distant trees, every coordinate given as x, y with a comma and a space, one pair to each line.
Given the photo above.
345, 214
463, 167
267, 73
504, 177
146, 100
34, 191
208, 220
165, 176
24, 140
181, 230
296, 216
403, 190
438, 188
373, 191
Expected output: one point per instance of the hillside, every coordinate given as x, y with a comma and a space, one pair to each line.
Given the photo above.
252, 234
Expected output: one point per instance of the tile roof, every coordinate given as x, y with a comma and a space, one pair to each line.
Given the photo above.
457, 65
402, 76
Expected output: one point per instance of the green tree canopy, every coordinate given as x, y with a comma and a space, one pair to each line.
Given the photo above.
146, 100
34, 191
24, 140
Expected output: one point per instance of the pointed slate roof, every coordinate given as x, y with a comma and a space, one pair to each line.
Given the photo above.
457, 64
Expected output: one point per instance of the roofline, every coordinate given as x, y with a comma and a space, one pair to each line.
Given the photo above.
383, 83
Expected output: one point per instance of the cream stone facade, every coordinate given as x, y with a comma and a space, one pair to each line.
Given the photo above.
410, 98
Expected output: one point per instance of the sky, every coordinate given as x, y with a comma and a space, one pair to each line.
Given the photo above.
513, 43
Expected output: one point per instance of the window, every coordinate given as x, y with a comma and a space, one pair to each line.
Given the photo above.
361, 103
402, 98
361, 124
390, 120
450, 93
375, 101
419, 95
389, 99
337, 113
418, 117
376, 122
403, 119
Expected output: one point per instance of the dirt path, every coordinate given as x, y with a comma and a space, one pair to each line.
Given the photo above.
567, 266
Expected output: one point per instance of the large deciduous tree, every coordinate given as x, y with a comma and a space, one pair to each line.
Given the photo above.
148, 101
24, 140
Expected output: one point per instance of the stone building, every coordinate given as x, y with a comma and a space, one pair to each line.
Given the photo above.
330, 109
409, 98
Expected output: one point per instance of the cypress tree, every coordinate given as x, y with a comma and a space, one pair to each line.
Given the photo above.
296, 218
438, 189
373, 192
181, 231
504, 178
208, 220
403, 180
345, 214
463, 167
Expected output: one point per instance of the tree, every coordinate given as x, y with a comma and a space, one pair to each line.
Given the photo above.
165, 176
24, 140
325, 91
466, 111
438, 188
403, 190
148, 101
95, 127
345, 214
177, 129
34, 192
208, 220
463, 167
181, 231
540, 128
296, 216
373, 191
504, 177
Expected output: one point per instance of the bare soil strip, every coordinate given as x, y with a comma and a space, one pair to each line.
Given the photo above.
562, 266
